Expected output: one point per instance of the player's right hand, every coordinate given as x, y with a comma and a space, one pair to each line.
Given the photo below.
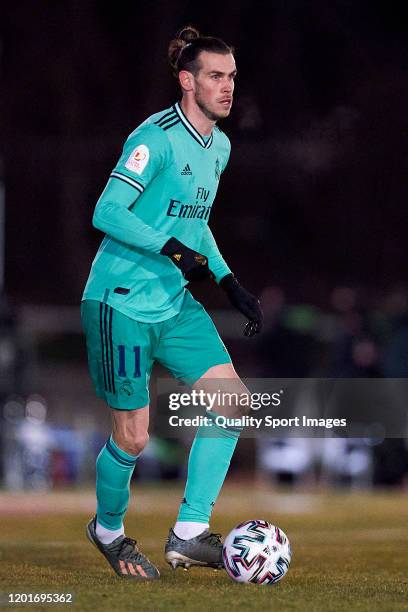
193, 265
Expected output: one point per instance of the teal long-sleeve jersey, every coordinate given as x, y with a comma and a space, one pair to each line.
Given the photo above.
163, 185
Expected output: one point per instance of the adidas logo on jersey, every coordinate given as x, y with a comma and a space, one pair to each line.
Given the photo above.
186, 170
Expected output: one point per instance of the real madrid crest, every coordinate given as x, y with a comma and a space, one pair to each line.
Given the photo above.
126, 388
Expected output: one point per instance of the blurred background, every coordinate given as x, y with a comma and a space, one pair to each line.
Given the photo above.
310, 215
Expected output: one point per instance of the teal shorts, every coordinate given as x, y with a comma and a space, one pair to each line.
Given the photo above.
121, 351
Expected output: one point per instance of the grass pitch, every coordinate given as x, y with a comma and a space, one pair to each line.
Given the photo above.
350, 552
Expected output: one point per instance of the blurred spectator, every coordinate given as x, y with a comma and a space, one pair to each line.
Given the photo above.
391, 457
285, 460
289, 346
27, 444
395, 353
346, 462
355, 352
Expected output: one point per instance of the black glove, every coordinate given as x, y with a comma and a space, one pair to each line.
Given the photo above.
193, 265
245, 302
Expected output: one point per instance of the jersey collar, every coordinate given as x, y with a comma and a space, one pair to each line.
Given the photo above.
191, 129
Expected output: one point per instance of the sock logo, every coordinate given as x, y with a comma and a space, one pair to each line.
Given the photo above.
115, 513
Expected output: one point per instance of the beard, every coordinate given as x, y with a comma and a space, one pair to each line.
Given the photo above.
205, 110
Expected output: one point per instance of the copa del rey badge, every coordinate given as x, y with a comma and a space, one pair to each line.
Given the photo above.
138, 159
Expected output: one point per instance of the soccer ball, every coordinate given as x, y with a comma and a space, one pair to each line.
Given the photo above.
256, 552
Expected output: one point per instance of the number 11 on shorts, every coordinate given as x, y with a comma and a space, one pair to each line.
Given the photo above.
122, 361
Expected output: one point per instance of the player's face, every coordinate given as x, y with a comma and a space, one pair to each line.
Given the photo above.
214, 84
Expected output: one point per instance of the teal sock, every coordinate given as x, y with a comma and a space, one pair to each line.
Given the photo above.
208, 465
114, 469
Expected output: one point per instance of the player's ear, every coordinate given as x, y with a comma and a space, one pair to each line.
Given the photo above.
186, 80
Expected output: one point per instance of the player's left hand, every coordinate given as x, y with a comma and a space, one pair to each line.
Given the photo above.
245, 302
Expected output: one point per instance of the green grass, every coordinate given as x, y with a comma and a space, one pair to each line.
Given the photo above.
349, 552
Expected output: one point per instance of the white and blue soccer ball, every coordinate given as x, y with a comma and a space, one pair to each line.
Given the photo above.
256, 552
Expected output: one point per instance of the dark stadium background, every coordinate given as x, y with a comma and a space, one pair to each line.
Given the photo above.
316, 190
310, 215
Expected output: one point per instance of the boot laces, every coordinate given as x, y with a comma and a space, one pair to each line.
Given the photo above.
130, 550
214, 539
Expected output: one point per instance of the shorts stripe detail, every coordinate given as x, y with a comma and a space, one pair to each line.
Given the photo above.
101, 306
112, 371
115, 455
105, 327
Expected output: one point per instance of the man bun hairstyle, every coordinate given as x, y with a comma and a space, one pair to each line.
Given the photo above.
187, 45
